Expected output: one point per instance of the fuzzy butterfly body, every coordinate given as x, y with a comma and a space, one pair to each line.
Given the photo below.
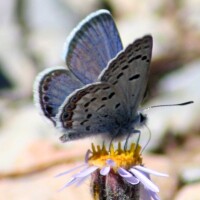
102, 88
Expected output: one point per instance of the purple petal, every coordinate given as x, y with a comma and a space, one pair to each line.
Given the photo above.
154, 195
110, 162
71, 170
144, 180
105, 170
86, 172
81, 180
87, 155
150, 171
71, 182
149, 195
132, 180
123, 173
146, 194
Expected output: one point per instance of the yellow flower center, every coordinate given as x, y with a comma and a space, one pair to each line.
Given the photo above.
122, 158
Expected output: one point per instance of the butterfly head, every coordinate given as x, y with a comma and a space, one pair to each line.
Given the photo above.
140, 120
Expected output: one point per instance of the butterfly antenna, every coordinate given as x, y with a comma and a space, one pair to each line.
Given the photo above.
170, 105
147, 140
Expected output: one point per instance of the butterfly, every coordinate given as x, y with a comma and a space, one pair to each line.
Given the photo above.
100, 92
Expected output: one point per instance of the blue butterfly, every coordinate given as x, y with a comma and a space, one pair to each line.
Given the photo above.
100, 92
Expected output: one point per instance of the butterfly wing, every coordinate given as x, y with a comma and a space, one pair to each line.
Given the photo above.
91, 45
128, 72
51, 88
107, 107
91, 110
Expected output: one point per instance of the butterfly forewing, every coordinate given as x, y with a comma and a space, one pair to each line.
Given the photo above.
128, 72
51, 88
91, 45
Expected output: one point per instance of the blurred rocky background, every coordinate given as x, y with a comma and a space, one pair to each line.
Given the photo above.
32, 34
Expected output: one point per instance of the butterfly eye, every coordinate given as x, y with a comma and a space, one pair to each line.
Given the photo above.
143, 118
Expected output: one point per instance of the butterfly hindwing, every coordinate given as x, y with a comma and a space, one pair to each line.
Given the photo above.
51, 88
91, 110
91, 45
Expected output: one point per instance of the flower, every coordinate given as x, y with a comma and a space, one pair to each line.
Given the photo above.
117, 173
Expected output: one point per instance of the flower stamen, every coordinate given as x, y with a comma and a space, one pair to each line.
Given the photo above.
121, 158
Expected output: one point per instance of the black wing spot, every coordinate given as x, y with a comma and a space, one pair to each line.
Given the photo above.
114, 83
114, 68
87, 128
121, 62
105, 116
114, 62
87, 104
138, 56
46, 98
138, 49
82, 123
74, 98
125, 67
104, 98
45, 87
119, 75
105, 88
89, 115
111, 95
82, 93
134, 58
86, 110
129, 49
137, 43
71, 106
96, 90
117, 105
101, 107
65, 116
146, 46
136, 76
121, 56
93, 99
47, 79
49, 109
144, 57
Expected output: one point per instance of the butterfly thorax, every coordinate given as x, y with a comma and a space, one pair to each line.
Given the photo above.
129, 126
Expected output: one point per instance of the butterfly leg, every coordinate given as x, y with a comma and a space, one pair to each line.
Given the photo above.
138, 139
126, 142
111, 141
128, 136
